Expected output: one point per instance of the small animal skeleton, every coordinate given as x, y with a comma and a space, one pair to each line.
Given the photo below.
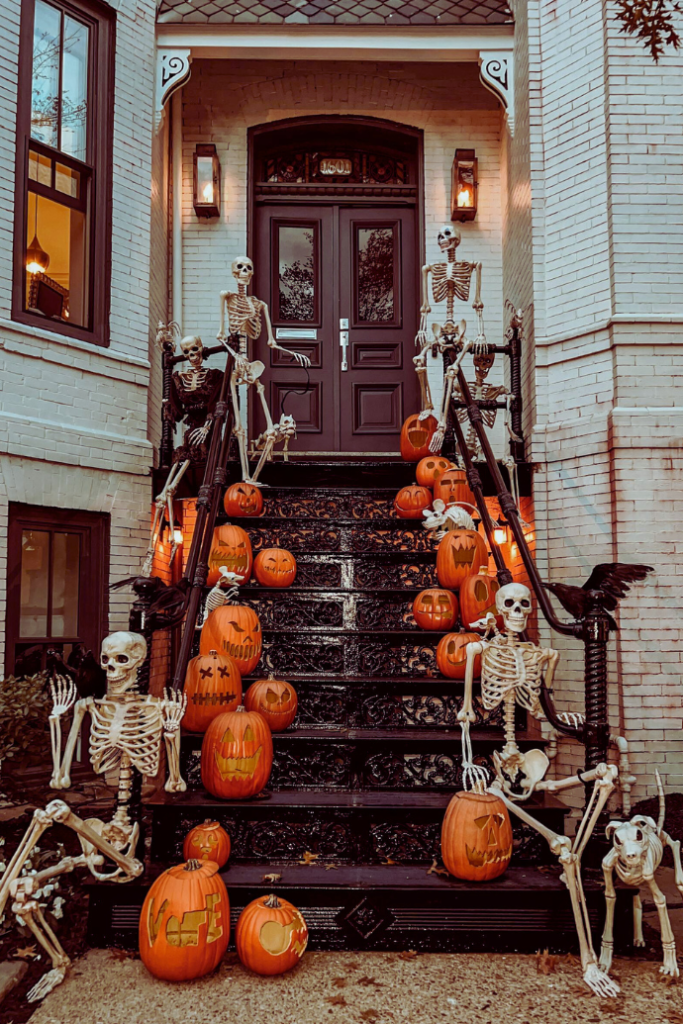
245, 319
126, 731
224, 592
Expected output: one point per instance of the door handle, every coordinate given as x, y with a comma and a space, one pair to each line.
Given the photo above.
344, 342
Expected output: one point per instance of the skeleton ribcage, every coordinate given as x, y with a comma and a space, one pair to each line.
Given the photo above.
244, 315
453, 277
506, 668
133, 728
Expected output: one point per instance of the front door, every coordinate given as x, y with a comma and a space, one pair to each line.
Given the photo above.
341, 283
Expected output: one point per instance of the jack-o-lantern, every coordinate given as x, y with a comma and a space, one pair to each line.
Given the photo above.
237, 755
460, 554
451, 654
478, 598
271, 935
415, 437
207, 841
435, 609
430, 470
243, 499
410, 501
275, 699
212, 685
235, 630
476, 837
452, 487
230, 547
275, 567
185, 922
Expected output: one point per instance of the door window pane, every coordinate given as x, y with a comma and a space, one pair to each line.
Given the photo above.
74, 88
296, 273
375, 275
57, 277
47, 33
35, 562
66, 554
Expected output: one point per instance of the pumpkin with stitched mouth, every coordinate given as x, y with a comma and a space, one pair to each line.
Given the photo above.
237, 755
435, 609
451, 654
230, 547
430, 470
212, 684
275, 567
415, 437
271, 935
275, 699
243, 499
460, 554
476, 837
235, 630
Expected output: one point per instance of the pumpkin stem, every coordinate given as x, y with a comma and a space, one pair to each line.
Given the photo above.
209, 821
193, 865
240, 708
215, 653
271, 901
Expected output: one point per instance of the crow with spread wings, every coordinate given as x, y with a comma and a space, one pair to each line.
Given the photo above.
603, 589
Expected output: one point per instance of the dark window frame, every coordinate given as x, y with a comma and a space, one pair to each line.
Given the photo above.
101, 69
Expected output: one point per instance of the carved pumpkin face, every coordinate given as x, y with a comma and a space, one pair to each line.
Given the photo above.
237, 755
235, 630
435, 609
478, 598
461, 553
271, 935
275, 567
275, 699
243, 499
207, 842
476, 837
451, 655
430, 470
230, 547
452, 488
410, 502
213, 684
415, 437
185, 922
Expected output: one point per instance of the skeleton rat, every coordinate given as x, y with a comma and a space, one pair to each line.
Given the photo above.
126, 731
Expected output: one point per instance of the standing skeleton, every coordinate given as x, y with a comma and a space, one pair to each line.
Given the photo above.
126, 730
245, 320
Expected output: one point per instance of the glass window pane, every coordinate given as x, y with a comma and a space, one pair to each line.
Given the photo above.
375, 267
67, 181
35, 558
74, 88
57, 270
296, 269
40, 168
66, 554
45, 84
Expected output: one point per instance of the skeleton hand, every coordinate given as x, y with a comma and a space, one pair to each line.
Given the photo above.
199, 434
299, 357
64, 695
175, 704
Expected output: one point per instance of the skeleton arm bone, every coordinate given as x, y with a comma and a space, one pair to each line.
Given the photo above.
425, 307
474, 649
61, 777
478, 305
173, 709
221, 331
64, 694
299, 357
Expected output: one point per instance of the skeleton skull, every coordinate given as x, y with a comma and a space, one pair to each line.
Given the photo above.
122, 654
448, 237
513, 602
242, 270
193, 350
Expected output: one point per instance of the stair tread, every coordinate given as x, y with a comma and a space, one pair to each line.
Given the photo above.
431, 735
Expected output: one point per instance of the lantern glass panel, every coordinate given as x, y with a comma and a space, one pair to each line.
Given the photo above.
205, 183
465, 184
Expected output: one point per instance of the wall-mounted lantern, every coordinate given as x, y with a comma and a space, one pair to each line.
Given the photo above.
464, 185
207, 181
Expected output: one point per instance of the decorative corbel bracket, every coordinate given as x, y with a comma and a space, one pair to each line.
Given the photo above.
497, 73
173, 70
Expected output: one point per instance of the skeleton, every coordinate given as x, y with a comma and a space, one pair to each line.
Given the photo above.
637, 849
483, 362
126, 732
223, 592
283, 431
245, 320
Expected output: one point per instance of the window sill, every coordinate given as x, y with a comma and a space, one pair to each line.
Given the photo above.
83, 346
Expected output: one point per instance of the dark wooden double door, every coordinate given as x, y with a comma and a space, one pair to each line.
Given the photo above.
342, 286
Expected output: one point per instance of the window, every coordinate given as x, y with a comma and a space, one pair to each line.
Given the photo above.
56, 584
63, 231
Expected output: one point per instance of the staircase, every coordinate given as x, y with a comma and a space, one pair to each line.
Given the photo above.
361, 780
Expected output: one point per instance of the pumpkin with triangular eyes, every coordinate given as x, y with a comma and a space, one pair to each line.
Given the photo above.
429, 471
230, 547
271, 935
237, 755
461, 553
235, 630
476, 837
275, 567
275, 699
243, 499
435, 609
415, 437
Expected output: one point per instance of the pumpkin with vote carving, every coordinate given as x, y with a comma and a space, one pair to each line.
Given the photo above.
237, 755
185, 922
230, 547
476, 837
271, 935
435, 609
212, 685
460, 554
207, 842
429, 471
275, 567
451, 654
235, 630
275, 699
243, 499
415, 437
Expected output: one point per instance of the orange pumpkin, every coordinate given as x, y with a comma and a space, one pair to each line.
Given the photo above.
430, 470
460, 554
275, 567
207, 842
271, 935
435, 609
410, 502
453, 488
243, 499
476, 837
230, 547
212, 684
415, 437
275, 699
235, 630
478, 598
237, 755
185, 922
451, 654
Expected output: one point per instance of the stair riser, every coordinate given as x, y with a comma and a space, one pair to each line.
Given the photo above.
361, 538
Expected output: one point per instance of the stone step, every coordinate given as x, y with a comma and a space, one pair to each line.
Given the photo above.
301, 536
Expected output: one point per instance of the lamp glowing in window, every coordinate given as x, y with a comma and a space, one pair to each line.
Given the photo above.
207, 178
37, 260
178, 536
464, 185
500, 535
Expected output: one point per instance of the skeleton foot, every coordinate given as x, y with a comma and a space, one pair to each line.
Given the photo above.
600, 983
669, 965
47, 983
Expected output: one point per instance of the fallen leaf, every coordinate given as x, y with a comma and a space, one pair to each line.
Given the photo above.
408, 954
123, 954
436, 870
337, 1000
369, 1015
309, 858
330, 867
339, 982
272, 878
388, 862
545, 962
26, 951
369, 981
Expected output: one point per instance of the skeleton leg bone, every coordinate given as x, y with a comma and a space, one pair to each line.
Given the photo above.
40, 823
638, 938
239, 430
33, 916
669, 965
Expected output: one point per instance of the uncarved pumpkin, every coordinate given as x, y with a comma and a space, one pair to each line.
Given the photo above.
430, 470
208, 841
235, 630
237, 755
230, 547
460, 554
415, 437
451, 654
275, 699
435, 609
476, 837
410, 501
478, 598
185, 922
271, 935
212, 684
453, 489
275, 567
243, 499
